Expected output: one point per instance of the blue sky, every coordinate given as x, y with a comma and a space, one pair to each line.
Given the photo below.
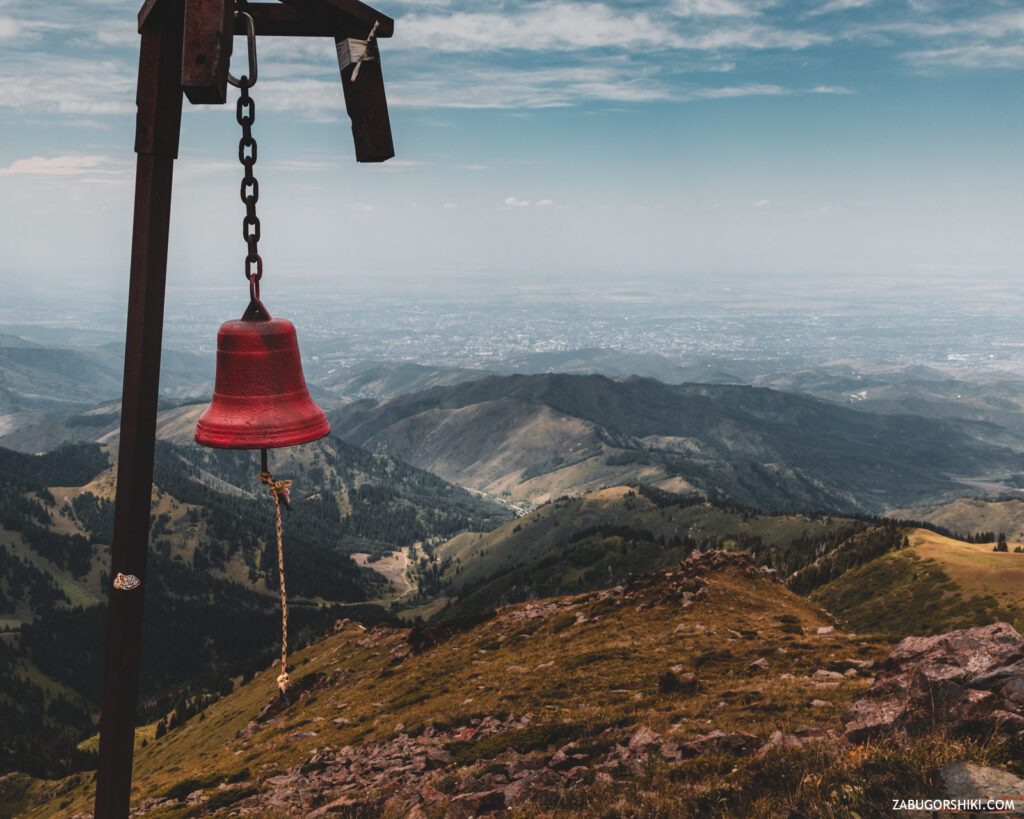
548, 139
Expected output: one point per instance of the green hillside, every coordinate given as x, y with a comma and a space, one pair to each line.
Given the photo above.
599, 539
42, 379
935, 584
212, 599
973, 515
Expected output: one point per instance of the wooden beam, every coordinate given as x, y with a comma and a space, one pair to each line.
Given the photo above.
156, 142
278, 20
365, 101
206, 50
357, 18
299, 18
149, 15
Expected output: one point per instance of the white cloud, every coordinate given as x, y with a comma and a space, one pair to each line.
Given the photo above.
761, 203
750, 90
67, 85
513, 202
754, 37
9, 28
982, 41
761, 90
563, 26
716, 8
70, 165
540, 27
118, 33
840, 5
971, 55
527, 88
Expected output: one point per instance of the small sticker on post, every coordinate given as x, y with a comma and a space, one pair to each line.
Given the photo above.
126, 582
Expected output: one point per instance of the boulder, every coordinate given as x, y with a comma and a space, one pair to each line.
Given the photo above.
644, 739
475, 804
780, 741
969, 677
528, 791
737, 742
962, 780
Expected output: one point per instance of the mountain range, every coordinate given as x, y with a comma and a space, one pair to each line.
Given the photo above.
446, 493
537, 437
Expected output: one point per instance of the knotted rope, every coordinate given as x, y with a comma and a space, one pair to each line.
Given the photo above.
279, 492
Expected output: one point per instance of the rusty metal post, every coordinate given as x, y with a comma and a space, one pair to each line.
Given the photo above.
156, 143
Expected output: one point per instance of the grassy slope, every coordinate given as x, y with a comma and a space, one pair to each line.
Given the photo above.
524, 665
936, 585
547, 529
969, 515
975, 568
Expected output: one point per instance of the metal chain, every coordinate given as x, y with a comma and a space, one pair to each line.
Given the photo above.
250, 188
245, 113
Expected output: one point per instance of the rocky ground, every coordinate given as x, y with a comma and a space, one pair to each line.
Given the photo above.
973, 678
709, 690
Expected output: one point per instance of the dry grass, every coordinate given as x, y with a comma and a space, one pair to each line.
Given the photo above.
575, 679
820, 782
973, 515
974, 566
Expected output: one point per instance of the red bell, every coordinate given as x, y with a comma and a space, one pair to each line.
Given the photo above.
260, 398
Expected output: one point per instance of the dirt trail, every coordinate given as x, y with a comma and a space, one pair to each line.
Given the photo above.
394, 567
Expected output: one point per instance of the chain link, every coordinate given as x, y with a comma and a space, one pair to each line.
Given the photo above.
249, 190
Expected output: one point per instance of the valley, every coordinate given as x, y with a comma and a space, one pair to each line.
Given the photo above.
392, 566
451, 497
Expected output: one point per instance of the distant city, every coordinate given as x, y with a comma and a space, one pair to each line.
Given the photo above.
757, 325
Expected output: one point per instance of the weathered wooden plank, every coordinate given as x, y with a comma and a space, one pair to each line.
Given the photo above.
206, 50
149, 15
352, 14
365, 100
156, 142
277, 20
299, 18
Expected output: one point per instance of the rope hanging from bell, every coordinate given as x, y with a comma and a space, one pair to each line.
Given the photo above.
279, 491
260, 398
